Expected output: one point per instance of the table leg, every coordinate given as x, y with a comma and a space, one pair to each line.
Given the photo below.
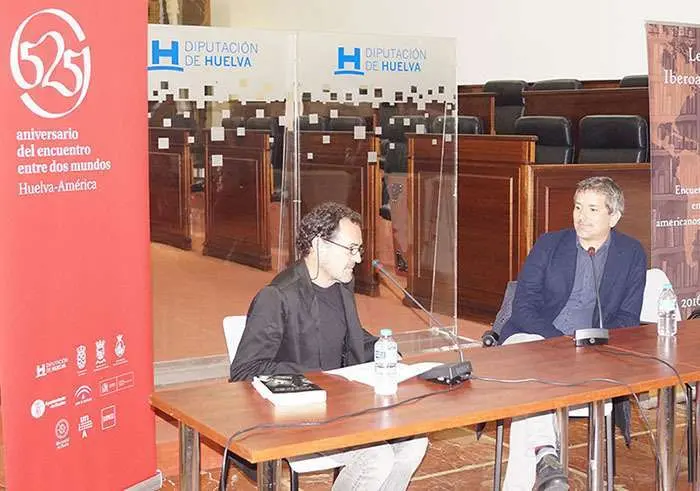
269, 475
692, 452
563, 425
498, 464
696, 481
189, 458
665, 423
596, 430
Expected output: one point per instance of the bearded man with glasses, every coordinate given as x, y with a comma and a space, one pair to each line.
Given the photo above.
306, 320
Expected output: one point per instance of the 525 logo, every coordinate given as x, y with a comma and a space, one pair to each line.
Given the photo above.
54, 76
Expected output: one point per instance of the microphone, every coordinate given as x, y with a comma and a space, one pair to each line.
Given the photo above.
591, 254
447, 373
585, 337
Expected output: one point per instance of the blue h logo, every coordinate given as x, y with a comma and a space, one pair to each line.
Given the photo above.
157, 53
344, 58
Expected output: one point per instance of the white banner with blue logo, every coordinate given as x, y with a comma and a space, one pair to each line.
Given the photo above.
194, 63
354, 68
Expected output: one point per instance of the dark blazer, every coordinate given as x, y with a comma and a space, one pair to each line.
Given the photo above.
547, 278
282, 330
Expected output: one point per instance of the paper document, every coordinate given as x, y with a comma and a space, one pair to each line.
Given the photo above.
364, 373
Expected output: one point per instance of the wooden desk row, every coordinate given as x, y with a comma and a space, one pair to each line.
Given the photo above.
218, 411
573, 104
504, 202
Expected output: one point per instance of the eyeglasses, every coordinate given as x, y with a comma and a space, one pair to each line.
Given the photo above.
353, 249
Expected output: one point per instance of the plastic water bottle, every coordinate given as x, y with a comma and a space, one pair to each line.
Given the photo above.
667, 324
385, 364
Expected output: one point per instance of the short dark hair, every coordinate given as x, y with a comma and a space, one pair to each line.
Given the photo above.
323, 222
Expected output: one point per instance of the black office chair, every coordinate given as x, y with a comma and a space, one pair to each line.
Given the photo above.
345, 123
305, 123
613, 138
635, 81
555, 141
509, 103
557, 84
233, 122
466, 125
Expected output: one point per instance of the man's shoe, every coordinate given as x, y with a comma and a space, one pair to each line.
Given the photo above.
550, 475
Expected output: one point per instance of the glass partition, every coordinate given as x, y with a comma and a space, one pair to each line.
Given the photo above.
250, 129
217, 102
369, 131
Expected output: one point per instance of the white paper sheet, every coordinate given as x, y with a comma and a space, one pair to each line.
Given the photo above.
364, 373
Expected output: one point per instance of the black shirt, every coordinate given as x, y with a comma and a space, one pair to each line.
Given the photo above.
332, 326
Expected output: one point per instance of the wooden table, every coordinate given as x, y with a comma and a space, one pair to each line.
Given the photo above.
681, 350
219, 411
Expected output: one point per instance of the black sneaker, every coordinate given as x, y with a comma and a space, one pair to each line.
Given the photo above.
550, 475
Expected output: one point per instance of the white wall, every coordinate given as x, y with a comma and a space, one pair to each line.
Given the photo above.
530, 40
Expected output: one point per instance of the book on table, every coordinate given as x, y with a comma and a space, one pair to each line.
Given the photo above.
288, 390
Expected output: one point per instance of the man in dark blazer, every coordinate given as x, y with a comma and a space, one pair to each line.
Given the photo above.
306, 320
555, 295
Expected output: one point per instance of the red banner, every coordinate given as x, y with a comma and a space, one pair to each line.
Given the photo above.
75, 316
674, 130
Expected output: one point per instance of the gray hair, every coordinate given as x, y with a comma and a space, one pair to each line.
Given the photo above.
614, 197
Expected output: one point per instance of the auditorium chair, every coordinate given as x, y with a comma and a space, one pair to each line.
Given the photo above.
509, 103
466, 125
345, 123
398, 125
180, 121
557, 84
233, 122
609, 138
305, 123
635, 81
234, 325
271, 124
555, 141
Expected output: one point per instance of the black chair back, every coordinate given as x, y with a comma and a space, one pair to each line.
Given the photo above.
509, 103
605, 138
466, 125
635, 81
555, 142
558, 84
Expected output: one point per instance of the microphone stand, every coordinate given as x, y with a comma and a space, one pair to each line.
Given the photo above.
447, 373
594, 335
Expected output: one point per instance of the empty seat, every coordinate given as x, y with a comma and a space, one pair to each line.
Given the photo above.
557, 84
264, 123
555, 143
305, 123
397, 126
466, 125
180, 121
396, 157
345, 123
604, 138
233, 122
509, 103
635, 81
